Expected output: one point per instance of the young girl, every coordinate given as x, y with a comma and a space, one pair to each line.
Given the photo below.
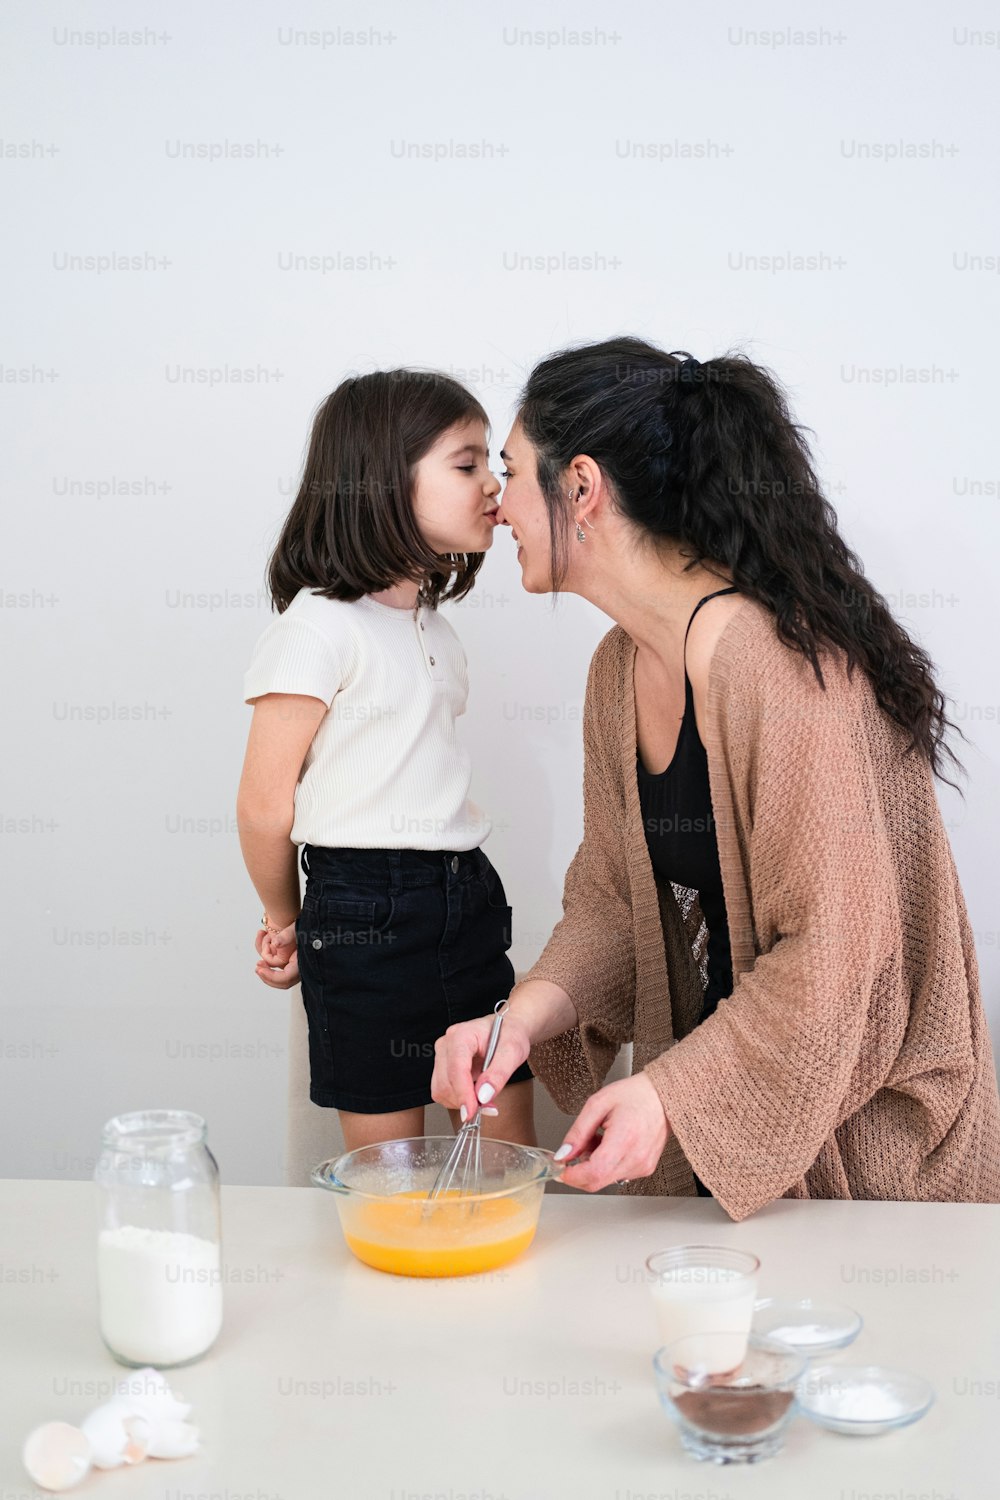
352, 754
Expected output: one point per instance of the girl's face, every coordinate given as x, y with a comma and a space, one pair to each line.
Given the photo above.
523, 510
454, 493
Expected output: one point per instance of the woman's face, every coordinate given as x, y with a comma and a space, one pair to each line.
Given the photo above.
522, 508
454, 493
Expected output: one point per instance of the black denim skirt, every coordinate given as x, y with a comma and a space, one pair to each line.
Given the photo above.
395, 946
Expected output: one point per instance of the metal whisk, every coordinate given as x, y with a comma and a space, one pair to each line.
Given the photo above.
464, 1162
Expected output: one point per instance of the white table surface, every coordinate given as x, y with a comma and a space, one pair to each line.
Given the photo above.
330, 1379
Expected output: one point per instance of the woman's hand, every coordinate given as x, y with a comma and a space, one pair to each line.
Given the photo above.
623, 1129
278, 965
458, 1061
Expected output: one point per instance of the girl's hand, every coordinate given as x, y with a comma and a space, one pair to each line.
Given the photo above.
459, 1055
621, 1130
278, 965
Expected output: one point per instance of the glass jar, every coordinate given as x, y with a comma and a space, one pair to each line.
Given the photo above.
159, 1251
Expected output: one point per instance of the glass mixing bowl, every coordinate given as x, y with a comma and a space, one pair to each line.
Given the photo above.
388, 1222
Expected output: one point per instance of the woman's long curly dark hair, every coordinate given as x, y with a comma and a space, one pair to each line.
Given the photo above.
709, 456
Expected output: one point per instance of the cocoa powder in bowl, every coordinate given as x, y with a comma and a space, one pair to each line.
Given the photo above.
734, 1411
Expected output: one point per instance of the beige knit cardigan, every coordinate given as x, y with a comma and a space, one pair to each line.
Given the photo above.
852, 1059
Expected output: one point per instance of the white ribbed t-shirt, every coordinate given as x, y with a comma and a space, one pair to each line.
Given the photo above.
385, 769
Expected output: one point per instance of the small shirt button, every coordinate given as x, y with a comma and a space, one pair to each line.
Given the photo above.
421, 624
432, 661
317, 942
454, 864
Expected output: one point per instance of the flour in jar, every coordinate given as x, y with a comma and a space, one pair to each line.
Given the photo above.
160, 1293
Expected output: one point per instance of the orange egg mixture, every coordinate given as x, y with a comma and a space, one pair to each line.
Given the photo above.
393, 1235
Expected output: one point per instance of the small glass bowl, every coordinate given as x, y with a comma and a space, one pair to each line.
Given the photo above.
863, 1399
811, 1327
736, 1417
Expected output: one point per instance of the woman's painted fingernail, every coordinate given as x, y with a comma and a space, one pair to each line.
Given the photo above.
485, 1093
463, 1114
485, 1111
566, 1149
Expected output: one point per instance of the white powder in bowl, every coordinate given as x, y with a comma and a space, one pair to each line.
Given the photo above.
858, 1403
804, 1333
160, 1293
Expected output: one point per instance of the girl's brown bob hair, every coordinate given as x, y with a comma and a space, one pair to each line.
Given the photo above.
351, 530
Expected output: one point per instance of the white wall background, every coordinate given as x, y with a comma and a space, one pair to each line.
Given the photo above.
140, 507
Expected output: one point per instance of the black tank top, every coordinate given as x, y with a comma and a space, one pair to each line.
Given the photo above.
680, 833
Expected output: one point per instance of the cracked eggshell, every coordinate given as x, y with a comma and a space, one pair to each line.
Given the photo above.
148, 1392
56, 1456
173, 1440
117, 1434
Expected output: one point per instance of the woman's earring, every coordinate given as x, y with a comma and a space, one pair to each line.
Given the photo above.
581, 535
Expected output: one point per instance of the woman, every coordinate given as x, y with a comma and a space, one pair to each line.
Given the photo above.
764, 902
